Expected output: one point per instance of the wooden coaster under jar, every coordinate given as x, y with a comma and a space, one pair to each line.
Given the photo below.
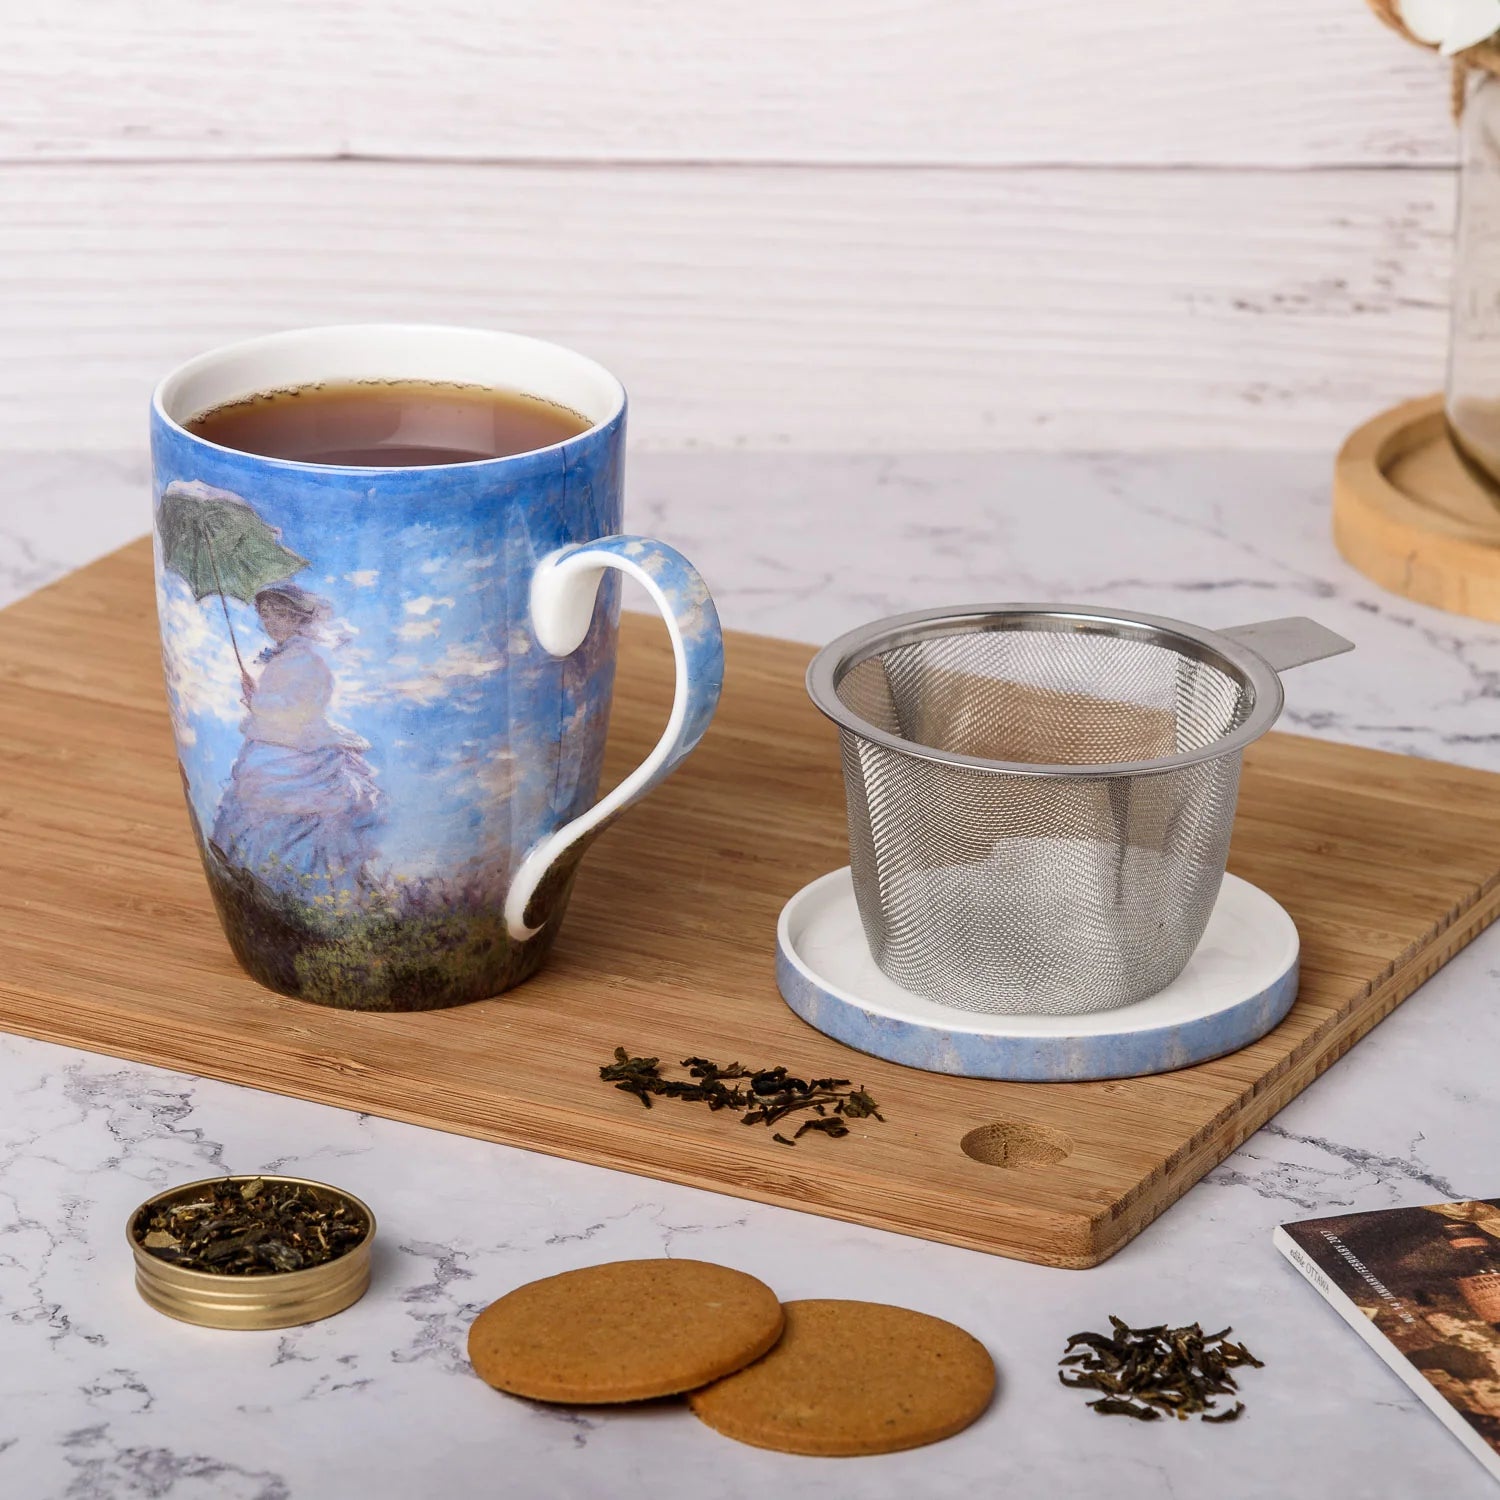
1412, 517
264, 1299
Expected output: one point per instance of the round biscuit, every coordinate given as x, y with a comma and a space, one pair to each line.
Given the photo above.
851, 1378
628, 1330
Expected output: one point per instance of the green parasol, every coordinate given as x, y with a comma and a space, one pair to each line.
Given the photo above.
217, 543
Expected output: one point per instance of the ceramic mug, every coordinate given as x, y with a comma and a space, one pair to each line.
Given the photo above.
390, 686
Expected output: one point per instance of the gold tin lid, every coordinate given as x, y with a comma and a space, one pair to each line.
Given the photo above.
278, 1299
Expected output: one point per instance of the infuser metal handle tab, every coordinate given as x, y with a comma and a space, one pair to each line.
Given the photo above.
1291, 642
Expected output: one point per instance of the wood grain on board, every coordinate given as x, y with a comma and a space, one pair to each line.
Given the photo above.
841, 310
107, 941
1274, 83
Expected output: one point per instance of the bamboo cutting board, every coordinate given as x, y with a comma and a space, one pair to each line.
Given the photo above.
108, 941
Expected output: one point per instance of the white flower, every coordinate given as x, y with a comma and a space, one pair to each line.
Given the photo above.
1451, 25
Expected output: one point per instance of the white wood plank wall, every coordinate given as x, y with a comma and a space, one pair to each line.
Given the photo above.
887, 224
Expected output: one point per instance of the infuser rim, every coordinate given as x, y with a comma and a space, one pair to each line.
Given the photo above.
839, 657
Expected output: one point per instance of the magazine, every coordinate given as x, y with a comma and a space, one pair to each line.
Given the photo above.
1421, 1286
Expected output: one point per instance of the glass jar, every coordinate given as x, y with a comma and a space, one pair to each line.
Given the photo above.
1473, 394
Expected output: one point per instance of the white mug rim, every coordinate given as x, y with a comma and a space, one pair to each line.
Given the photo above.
609, 407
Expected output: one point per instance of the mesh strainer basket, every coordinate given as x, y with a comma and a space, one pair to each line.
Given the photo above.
1040, 796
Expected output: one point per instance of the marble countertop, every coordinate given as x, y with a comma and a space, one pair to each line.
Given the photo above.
101, 1398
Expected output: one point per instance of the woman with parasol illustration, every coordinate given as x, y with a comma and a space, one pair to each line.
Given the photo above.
301, 804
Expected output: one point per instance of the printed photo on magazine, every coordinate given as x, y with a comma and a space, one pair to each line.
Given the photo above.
1422, 1287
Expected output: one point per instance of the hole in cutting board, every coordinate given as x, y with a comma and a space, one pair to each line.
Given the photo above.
1009, 1143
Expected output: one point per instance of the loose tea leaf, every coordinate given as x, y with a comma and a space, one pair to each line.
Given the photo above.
1143, 1372
1112, 1406
765, 1097
253, 1228
1232, 1415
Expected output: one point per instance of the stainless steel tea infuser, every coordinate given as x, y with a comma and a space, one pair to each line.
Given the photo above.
1040, 797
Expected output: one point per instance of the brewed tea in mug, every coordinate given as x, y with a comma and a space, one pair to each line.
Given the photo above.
388, 424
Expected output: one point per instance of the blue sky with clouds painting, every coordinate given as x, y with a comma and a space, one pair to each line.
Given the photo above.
434, 661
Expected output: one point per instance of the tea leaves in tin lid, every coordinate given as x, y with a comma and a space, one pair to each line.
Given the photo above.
253, 1228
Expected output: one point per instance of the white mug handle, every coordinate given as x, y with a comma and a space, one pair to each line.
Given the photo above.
563, 590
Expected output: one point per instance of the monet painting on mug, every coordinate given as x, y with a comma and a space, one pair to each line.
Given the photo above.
354, 736
375, 741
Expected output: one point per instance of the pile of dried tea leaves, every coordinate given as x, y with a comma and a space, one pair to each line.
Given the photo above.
1143, 1372
765, 1097
253, 1229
